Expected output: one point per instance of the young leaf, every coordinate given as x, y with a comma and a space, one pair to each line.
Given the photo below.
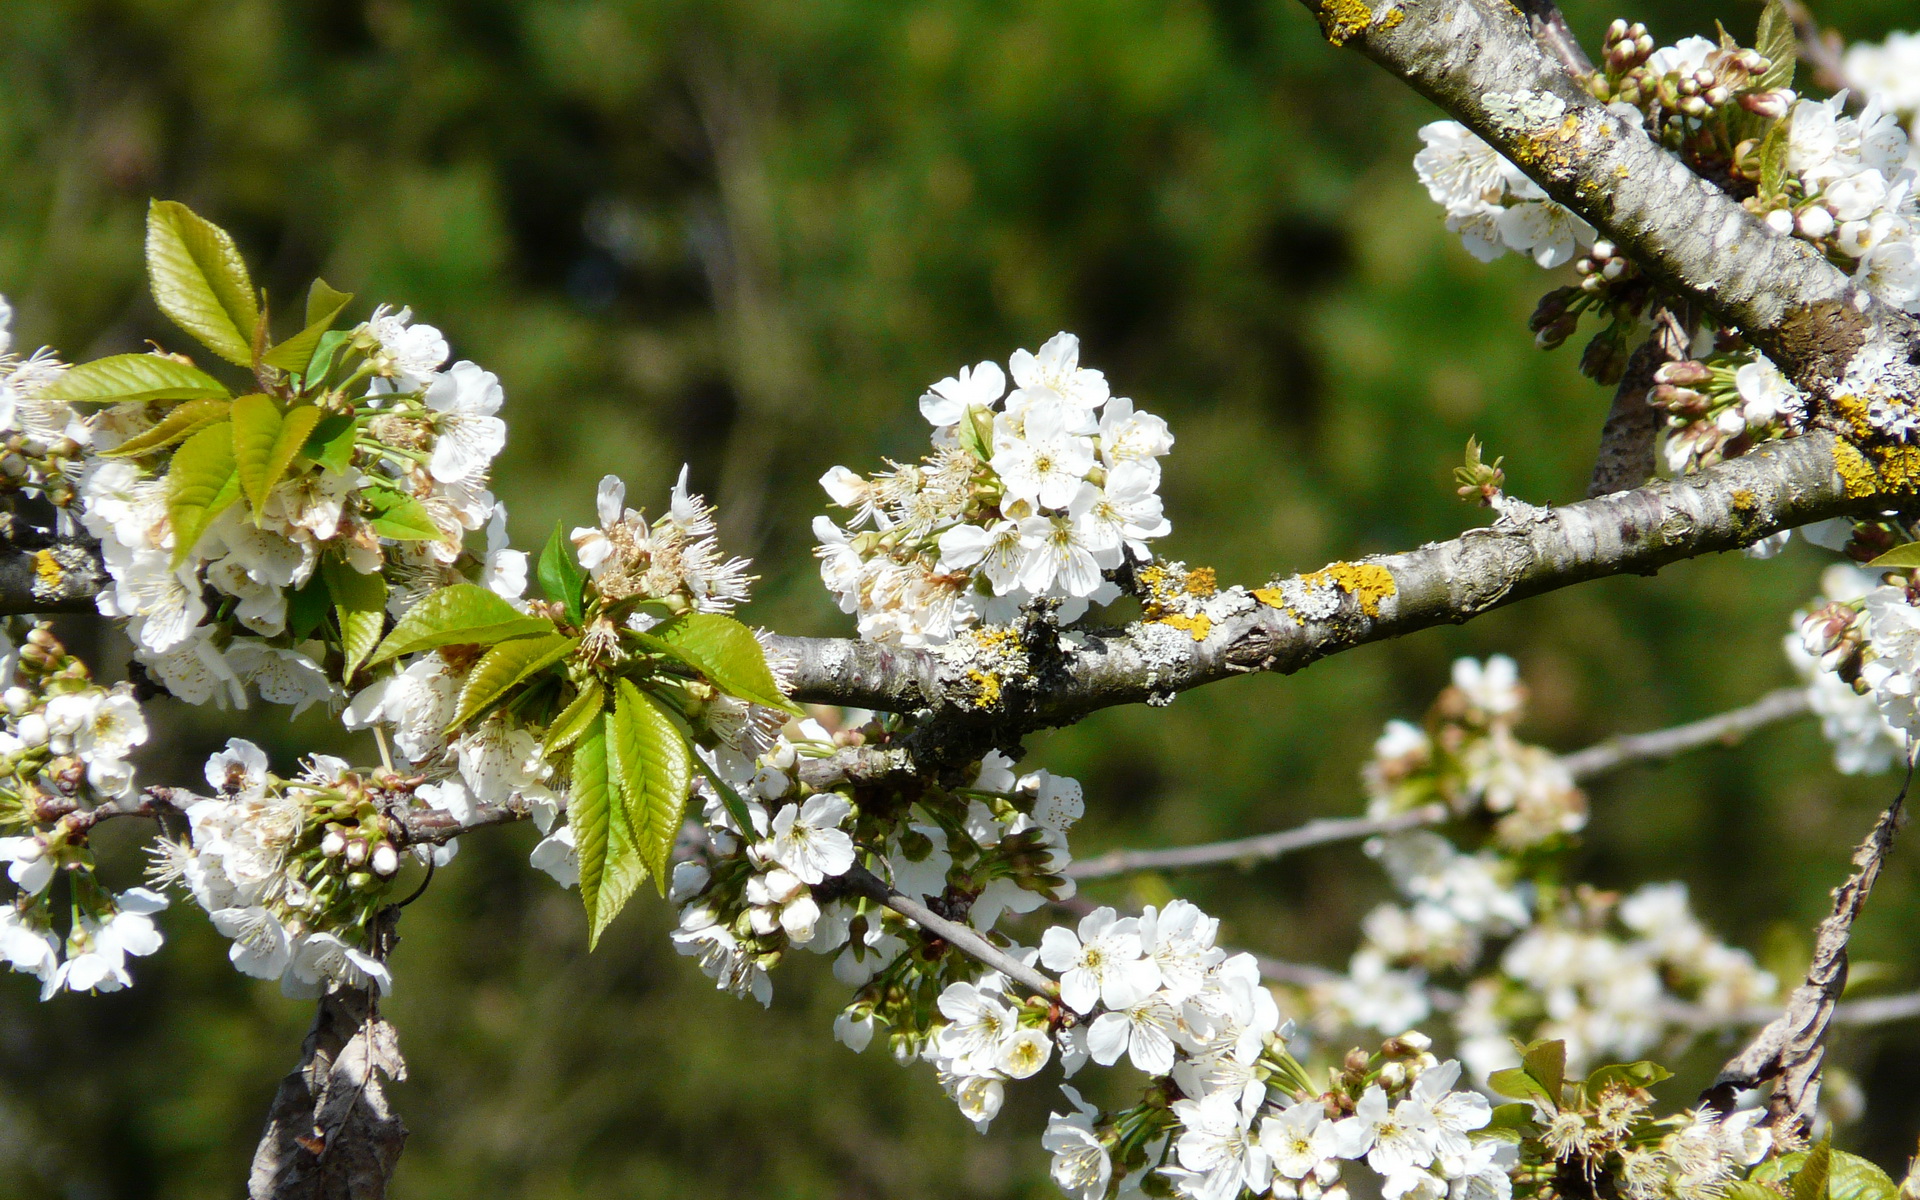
331, 442
400, 516
1547, 1063
200, 281
727, 653
590, 805
129, 378
574, 718
652, 767
200, 486
505, 667
560, 575
464, 614
1518, 1084
265, 442
1740, 1189
1810, 1181
1907, 555
178, 425
1850, 1177
360, 602
307, 608
1777, 41
324, 353
323, 305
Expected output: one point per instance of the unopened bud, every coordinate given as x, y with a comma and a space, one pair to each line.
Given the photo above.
334, 844
1356, 1062
1780, 221
32, 730
1603, 249
1770, 104
385, 860
360, 881
1690, 373
17, 700
356, 852
763, 920
1718, 95
1393, 1076
43, 637
1814, 222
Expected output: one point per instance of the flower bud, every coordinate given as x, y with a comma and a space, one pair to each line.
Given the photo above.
385, 860
356, 852
1814, 222
33, 730
334, 844
1780, 221
1393, 1076
1691, 373
17, 699
361, 881
1770, 104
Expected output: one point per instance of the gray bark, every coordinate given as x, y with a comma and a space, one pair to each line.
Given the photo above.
331, 1134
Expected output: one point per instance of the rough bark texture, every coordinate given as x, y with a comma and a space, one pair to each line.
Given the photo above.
1478, 60
1791, 1049
1625, 458
330, 1134
1525, 553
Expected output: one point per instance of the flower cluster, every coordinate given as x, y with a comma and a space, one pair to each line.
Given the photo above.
1034, 494
1828, 648
1721, 407
42, 441
1491, 204
64, 742
293, 871
1539, 959
675, 560
384, 472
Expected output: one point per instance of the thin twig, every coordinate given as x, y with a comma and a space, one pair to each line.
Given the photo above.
1551, 31
1792, 1047
1612, 754
1821, 49
959, 936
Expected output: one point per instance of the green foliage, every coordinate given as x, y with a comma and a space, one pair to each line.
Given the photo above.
331, 442
181, 423
1539, 1077
1900, 556
560, 575
726, 652
130, 378
505, 667
652, 767
1776, 39
1823, 1173
296, 354
575, 718
463, 614
265, 442
399, 516
200, 281
360, 606
201, 484
590, 811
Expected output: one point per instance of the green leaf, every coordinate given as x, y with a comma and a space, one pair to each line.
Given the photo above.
200, 281
323, 305
1740, 1189
1777, 41
1900, 556
265, 442
200, 486
1773, 161
592, 803
1511, 1116
560, 575
505, 667
727, 653
360, 602
321, 364
574, 718
464, 614
331, 442
179, 424
1547, 1063
650, 763
399, 516
130, 378
1851, 1177
1633, 1075
307, 607
1515, 1082
1810, 1181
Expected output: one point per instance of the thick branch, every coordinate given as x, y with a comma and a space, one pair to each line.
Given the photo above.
331, 1134
1526, 553
1478, 60
1792, 1047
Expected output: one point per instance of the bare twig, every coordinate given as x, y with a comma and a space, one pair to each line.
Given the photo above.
1821, 50
961, 937
1625, 457
1550, 30
1722, 730
331, 1134
1791, 1048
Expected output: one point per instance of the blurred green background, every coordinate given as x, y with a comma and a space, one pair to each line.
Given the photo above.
746, 235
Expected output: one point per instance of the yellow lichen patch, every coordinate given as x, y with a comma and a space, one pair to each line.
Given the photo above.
988, 689
1392, 19
1199, 625
1853, 410
1899, 468
1344, 20
47, 569
1744, 500
1201, 581
1367, 583
1856, 473
1270, 597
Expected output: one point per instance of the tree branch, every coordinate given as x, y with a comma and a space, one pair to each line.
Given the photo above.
1478, 60
1526, 553
1625, 458
1722, 730
961, 937
1792, 1047
1550, 30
